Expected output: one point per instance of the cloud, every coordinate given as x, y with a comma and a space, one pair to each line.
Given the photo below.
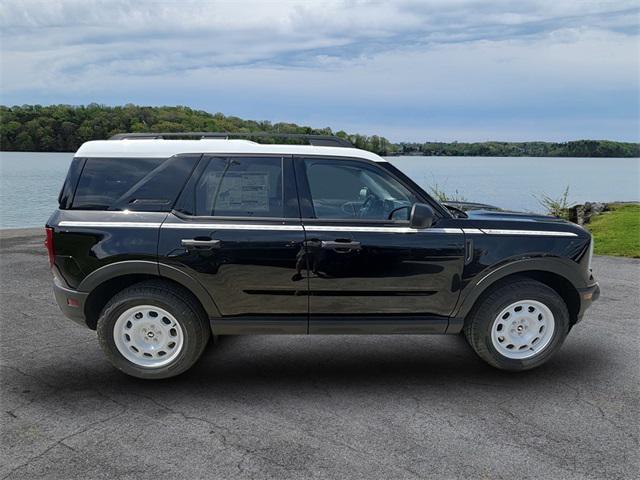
452, 67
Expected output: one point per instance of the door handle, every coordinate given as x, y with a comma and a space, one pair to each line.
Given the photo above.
340, 246
195, 244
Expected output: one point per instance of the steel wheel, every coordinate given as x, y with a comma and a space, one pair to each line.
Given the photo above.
523, 329
148, 336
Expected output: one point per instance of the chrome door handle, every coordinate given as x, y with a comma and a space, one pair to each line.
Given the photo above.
199, 244
339, 246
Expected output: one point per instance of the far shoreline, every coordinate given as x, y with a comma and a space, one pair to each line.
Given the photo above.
393, 155
65, 127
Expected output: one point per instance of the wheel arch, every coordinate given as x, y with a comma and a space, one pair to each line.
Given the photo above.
107, 281
555, 274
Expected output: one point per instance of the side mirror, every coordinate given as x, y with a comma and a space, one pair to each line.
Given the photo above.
421, 216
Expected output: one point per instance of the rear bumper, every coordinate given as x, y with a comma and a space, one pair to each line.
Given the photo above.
588, 295
71, 302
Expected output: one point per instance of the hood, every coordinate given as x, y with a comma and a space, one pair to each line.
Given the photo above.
482, 216
517, 221
505, 216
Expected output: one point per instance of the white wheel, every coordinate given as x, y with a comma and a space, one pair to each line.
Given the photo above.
523, 329
148, 336
153, 329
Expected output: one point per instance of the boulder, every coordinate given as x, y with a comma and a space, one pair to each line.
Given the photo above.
581, 214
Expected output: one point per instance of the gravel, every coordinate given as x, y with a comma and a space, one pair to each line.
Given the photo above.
315, 407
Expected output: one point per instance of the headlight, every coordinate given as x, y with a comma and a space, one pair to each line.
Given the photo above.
593, 242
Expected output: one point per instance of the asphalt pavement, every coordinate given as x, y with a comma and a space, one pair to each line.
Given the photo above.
334, 407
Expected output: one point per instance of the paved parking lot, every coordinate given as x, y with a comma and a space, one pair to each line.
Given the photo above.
355, 407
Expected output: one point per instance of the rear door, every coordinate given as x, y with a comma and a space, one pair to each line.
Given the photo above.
237, 230
369, 272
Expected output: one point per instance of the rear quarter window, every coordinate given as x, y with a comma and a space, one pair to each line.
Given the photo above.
71, 181
141, 184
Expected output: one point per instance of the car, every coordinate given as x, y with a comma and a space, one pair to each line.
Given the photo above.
163, 241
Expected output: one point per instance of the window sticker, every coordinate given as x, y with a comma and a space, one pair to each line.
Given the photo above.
241, 191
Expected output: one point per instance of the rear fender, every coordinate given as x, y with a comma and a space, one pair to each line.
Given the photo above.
144, 267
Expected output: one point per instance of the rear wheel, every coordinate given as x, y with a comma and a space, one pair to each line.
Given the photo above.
153, 330
518, 325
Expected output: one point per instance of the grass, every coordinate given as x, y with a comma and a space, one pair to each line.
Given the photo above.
617, 232
442, 196
558, 207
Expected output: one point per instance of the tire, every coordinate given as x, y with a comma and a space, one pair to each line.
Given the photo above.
517, 340
148, 312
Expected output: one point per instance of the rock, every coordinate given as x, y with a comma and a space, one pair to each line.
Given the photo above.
581, 214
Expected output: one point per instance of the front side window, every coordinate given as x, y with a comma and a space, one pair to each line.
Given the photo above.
240, 187
346, 189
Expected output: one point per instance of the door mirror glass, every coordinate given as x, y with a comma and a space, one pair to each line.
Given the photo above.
421, 216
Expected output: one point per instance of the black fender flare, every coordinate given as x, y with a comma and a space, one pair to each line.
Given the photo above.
563, 267
148, 267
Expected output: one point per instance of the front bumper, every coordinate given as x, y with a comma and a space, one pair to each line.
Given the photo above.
588, 295
71, 302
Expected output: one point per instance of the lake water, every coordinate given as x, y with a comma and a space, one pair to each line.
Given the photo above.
514, 182
30, 182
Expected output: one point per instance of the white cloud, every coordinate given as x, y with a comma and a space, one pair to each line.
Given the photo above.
401, 63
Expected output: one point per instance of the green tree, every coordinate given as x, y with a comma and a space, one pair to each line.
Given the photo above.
66, 127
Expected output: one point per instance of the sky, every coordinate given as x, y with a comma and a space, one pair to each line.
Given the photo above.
440, 70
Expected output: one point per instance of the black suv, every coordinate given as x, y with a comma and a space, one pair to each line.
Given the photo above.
161, 241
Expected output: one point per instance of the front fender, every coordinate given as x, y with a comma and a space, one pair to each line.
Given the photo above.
563, 267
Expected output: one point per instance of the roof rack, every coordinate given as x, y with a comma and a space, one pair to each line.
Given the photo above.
315, 140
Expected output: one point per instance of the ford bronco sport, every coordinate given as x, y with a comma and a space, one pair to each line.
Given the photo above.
162, 240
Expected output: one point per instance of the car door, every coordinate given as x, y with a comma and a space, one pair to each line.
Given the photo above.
369, 272
236, 230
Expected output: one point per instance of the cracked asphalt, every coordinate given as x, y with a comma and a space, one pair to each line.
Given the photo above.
356, 407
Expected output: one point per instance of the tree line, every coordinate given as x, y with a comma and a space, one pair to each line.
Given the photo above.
577, 148
63, 128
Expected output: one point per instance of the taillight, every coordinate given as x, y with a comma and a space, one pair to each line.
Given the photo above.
48, 242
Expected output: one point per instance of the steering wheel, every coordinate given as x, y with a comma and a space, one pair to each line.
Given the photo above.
350, 208
355, 208
367, 204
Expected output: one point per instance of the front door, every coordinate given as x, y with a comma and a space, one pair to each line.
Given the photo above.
369, 272
236, 229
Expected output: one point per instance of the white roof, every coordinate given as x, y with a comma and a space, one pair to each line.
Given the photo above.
166, 148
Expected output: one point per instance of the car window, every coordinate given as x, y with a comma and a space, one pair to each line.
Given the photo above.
104, 180
349, 189
65, 198
141, 184
240, 187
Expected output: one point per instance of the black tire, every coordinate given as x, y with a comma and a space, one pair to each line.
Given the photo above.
479, 322
185, 309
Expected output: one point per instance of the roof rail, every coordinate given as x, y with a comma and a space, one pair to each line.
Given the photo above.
316, 140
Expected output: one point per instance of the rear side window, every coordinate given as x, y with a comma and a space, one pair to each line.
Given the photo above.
240, 187
142, 184
69, 186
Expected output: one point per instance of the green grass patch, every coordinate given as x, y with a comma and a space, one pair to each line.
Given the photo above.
617, 232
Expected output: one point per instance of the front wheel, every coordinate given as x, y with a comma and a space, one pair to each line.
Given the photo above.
152, 330
518, 326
